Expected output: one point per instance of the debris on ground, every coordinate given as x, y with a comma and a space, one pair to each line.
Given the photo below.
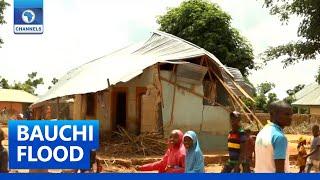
301, 128
124, 143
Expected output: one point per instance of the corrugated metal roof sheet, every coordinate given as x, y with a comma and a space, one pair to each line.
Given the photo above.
13, 95
306, 90
309, 95
125, 64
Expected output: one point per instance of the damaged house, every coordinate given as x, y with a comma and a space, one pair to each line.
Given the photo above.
158, 85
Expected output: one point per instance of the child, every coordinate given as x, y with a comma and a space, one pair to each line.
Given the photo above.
314, 155
301, 160
174, 159
3, 155
236, 144
93, 160
194, 156
249, 151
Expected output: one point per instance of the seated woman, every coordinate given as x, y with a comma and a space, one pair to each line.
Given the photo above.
174, 159
194, 156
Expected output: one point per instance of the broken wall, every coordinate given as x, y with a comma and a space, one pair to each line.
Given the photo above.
103, 103
210, 122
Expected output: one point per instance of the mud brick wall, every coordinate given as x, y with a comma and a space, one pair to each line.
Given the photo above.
297, 119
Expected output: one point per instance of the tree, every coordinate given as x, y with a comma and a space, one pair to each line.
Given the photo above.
265, 87
296, 89
4, 83
272, 97
30, 85
291, 92
53, 81
206, 25
309, 30
3, 5
262, 100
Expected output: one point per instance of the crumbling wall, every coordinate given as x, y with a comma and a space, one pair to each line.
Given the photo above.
210, 122
297, 119
103, 114
142, 81
150, 111
79, 106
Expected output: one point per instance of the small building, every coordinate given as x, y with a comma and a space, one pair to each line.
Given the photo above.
14, 102
160, 84
308, 98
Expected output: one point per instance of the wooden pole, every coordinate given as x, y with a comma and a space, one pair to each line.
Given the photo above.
211, 78
208, 69
242, 91
238, 101
161, 95
174, 96
174, 70
194, 93
201, 61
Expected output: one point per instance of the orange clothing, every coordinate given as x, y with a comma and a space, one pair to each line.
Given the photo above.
301, 161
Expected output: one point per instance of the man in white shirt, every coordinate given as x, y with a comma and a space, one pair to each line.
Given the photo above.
271, 147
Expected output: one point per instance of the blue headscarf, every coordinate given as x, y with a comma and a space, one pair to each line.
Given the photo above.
194, 157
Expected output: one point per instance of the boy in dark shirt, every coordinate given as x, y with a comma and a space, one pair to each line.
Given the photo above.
236, 144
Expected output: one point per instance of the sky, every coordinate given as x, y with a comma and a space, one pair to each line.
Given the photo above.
77, 31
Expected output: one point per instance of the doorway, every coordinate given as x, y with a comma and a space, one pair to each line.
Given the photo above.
121, 109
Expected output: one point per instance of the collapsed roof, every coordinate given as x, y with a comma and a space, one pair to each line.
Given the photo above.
125, 64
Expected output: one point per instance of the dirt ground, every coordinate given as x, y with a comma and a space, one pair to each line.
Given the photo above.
214, 161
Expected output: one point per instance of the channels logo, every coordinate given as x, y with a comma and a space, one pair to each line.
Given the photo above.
62, 144
28, 16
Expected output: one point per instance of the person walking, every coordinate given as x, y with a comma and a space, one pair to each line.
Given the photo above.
271, 146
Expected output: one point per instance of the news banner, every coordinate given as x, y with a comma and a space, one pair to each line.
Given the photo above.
66, 144
59, 144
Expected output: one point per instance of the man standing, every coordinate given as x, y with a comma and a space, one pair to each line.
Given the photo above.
271, 144
236, 144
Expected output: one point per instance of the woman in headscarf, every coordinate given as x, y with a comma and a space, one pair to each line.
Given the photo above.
194, 156
174, 159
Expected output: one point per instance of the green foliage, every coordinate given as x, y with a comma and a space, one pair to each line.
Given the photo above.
309, 30
29, 85
206, 25
272, 97
4, 83
291, 92
296, 89
263, 97
3, 6
250, 104
53, 81
265, 87
261, 101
